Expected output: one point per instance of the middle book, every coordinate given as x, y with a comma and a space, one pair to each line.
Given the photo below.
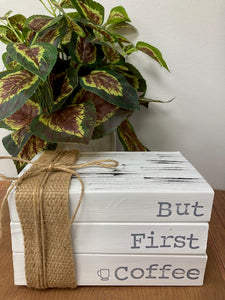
131, 238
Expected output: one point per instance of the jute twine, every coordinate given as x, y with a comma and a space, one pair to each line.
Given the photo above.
42, 206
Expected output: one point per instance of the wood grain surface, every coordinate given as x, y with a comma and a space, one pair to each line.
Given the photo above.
213, 288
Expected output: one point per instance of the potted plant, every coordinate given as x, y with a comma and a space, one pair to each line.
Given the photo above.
67, 78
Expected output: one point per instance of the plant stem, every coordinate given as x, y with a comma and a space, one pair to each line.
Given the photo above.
52, 7
14, 31
45, 6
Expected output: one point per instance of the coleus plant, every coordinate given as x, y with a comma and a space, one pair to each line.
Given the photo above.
67, 78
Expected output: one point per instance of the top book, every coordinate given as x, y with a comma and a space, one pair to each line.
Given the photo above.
145, 187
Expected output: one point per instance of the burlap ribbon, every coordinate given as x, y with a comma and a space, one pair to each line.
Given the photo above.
42, 205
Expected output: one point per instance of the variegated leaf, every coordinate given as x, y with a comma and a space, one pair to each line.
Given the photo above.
152, 52
44, 96
110, 122
10, 64
108, 36
66, 4
38, 22
15, 89
3, 35
110, 52
128, 138
118, 15
71, 23
75, 27
29, 146
74, 123
129, 49
28, 34
54, 32
121, 39
134, 77
18, 22
123, 25
91, 10
22, 117
39, 59
104, 110
15, 141
112, 87
70, 82
82, 51
7, 36
108, 116
113, 56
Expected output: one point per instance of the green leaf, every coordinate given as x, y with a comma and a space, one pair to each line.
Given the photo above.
82, 51
74, 123
90, 10
18, 22
6, 15
22, 117
118, 15
152, 52
39, 59
112, 87
128, 138
15, 89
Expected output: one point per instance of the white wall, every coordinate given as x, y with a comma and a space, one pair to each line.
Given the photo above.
191, 36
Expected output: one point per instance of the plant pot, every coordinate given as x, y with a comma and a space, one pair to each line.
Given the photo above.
107, 143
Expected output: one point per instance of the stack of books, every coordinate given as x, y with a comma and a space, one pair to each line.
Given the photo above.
143, 223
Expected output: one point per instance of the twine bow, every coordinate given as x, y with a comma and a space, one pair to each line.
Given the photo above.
52, 167
37, 265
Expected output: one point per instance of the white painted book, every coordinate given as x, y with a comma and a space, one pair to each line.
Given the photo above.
131, 238
145, 187
124, 270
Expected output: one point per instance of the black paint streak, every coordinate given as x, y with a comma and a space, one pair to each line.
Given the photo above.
172, 179
164, 161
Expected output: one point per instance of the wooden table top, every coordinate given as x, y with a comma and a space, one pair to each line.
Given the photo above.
213, 288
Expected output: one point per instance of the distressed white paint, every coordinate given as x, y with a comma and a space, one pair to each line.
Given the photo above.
131, 238
104, 269
134, 191
190, 35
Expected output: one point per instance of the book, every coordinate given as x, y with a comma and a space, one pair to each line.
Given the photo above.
131, 238
145, 187
124, 270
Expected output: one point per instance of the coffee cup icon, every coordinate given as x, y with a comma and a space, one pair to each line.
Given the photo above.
104, 274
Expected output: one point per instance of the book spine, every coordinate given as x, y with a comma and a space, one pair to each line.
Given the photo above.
131, 238
135, 207
124, 270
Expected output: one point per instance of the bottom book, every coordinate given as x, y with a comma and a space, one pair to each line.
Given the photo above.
122, 270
